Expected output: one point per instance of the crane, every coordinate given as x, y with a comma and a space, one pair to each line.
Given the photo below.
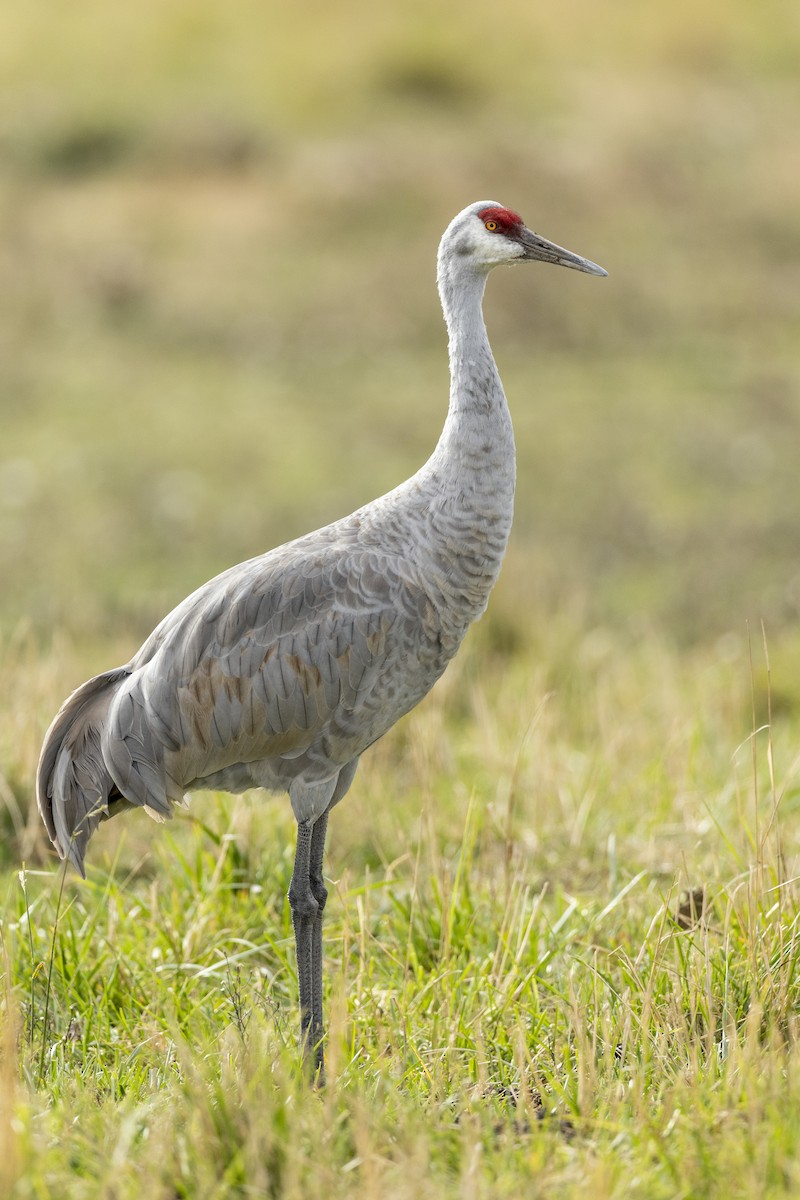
280, 672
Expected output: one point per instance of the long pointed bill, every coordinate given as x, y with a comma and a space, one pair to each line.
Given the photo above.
539, 248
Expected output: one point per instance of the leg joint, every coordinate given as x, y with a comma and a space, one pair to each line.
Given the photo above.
303, 904
318, 890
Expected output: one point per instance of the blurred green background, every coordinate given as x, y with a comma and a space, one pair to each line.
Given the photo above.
219, 326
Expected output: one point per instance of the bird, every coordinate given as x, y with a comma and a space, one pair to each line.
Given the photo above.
282, 671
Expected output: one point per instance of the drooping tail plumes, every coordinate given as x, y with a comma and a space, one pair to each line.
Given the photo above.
73, 783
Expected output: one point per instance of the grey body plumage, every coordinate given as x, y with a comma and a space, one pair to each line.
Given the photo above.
281, 671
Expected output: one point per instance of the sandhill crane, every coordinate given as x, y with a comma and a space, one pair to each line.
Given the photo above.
280, 672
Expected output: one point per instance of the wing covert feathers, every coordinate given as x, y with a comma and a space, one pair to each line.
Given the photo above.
282, 669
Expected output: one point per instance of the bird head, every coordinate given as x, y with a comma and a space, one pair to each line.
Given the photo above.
486, 235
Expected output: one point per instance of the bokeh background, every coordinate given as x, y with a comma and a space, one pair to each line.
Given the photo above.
219, 326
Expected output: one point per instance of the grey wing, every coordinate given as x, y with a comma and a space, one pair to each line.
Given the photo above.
275, 660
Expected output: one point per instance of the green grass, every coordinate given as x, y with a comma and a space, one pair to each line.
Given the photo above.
218, 328
515, 998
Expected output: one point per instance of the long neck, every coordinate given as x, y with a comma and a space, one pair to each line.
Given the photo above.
471, 473
477, 435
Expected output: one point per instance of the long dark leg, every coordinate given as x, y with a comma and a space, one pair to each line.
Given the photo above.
320, 894
304, 913
307, 896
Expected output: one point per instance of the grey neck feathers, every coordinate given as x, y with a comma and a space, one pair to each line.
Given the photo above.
469, 479
476, 448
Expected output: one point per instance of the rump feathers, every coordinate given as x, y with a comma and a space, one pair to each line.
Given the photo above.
73, 782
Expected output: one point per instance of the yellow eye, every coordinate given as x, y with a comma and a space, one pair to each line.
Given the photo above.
491, 225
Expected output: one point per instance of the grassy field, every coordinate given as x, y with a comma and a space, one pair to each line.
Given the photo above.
562, 935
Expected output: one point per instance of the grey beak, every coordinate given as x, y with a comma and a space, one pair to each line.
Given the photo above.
540, 249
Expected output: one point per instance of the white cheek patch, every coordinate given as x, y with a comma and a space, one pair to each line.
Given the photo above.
493, 249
